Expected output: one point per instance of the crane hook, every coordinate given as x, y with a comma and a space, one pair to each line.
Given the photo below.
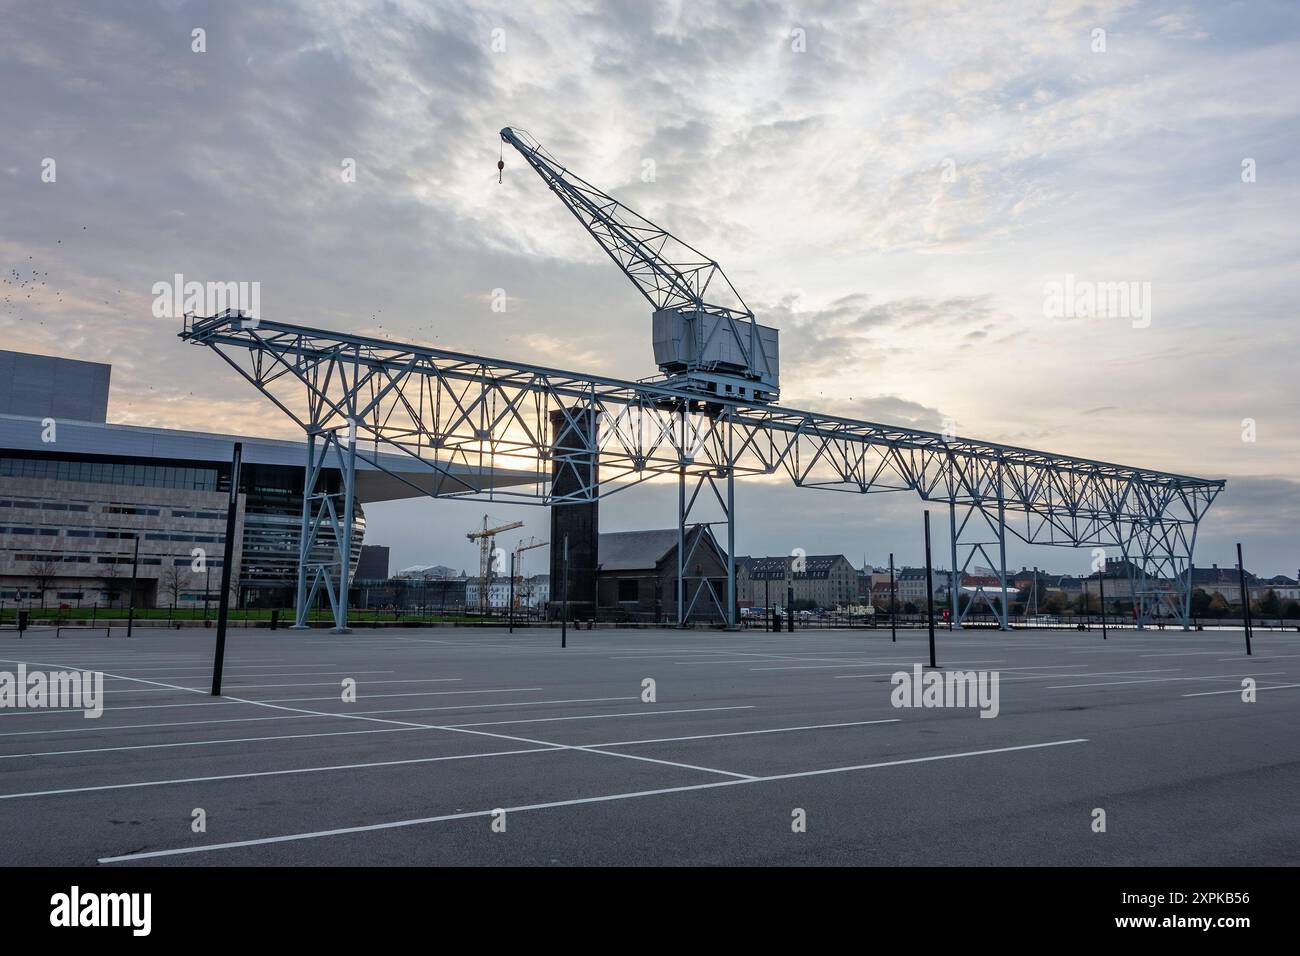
501, 164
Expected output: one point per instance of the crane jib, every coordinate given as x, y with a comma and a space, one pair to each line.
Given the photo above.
698, 343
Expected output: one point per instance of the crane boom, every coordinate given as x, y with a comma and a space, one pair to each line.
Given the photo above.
705, 337
485, 538
528, 545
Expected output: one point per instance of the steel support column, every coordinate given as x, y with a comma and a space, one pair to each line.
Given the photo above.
681, 547
731, 551
731, 531
349, 476
300, 608
991, 522
1159, 555
1004, 611
695, 535
329, 570
954, 576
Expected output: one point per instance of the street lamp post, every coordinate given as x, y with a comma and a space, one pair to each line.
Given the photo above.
135, 565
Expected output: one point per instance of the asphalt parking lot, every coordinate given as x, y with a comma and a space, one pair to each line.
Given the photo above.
474, 747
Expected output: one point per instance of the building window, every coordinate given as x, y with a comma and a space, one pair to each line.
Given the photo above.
627, 589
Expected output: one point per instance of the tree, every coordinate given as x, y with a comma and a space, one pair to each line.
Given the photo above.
1270, 605
1087, 603
171, 582
1200, 603
108, 578
1218, 605
44, 573
1291, 610
1055, 602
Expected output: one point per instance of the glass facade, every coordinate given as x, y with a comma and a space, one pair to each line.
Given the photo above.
272, 517
110, 472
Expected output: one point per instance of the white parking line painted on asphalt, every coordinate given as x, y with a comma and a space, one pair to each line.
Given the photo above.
626, 713
206, 674
298, 713
580, 801
361, 695
396, 730
1180, 654
268, 773
1157, 680
1237, 690
749, 733
209, 743
909, 661
1148, 670
366, 682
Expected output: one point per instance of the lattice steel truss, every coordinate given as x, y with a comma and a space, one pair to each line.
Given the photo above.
433, 408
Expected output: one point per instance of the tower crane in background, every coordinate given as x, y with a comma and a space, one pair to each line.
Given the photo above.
517, 565
705, 338
485, 538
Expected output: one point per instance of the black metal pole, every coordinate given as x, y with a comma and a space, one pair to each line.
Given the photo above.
1035, 592
1245, 598
767, 604
1101, 585
789, 604
223, 606
564, 598
893, 603
929, 588
510, 601
130, 607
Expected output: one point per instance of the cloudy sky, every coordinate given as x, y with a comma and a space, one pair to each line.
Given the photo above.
895, 186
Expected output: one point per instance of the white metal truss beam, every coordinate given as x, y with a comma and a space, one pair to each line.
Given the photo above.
442, 410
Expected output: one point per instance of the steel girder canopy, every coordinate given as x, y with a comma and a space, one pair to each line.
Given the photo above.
361, 398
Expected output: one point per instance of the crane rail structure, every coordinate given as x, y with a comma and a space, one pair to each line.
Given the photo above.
364, 398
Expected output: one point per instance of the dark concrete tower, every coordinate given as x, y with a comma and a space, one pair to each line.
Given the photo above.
574, 471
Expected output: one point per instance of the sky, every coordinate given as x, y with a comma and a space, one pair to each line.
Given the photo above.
899, 188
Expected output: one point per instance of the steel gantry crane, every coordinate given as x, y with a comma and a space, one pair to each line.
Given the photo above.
485, 537
452, 421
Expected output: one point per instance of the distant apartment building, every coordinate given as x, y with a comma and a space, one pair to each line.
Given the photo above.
532, 592
818, 580
1227, 582
1287, 589
910, 584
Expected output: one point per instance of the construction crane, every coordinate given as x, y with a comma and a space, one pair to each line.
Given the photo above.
705, 338
485, 538
517, 567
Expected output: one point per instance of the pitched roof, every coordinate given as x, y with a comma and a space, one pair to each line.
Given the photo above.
638, 550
